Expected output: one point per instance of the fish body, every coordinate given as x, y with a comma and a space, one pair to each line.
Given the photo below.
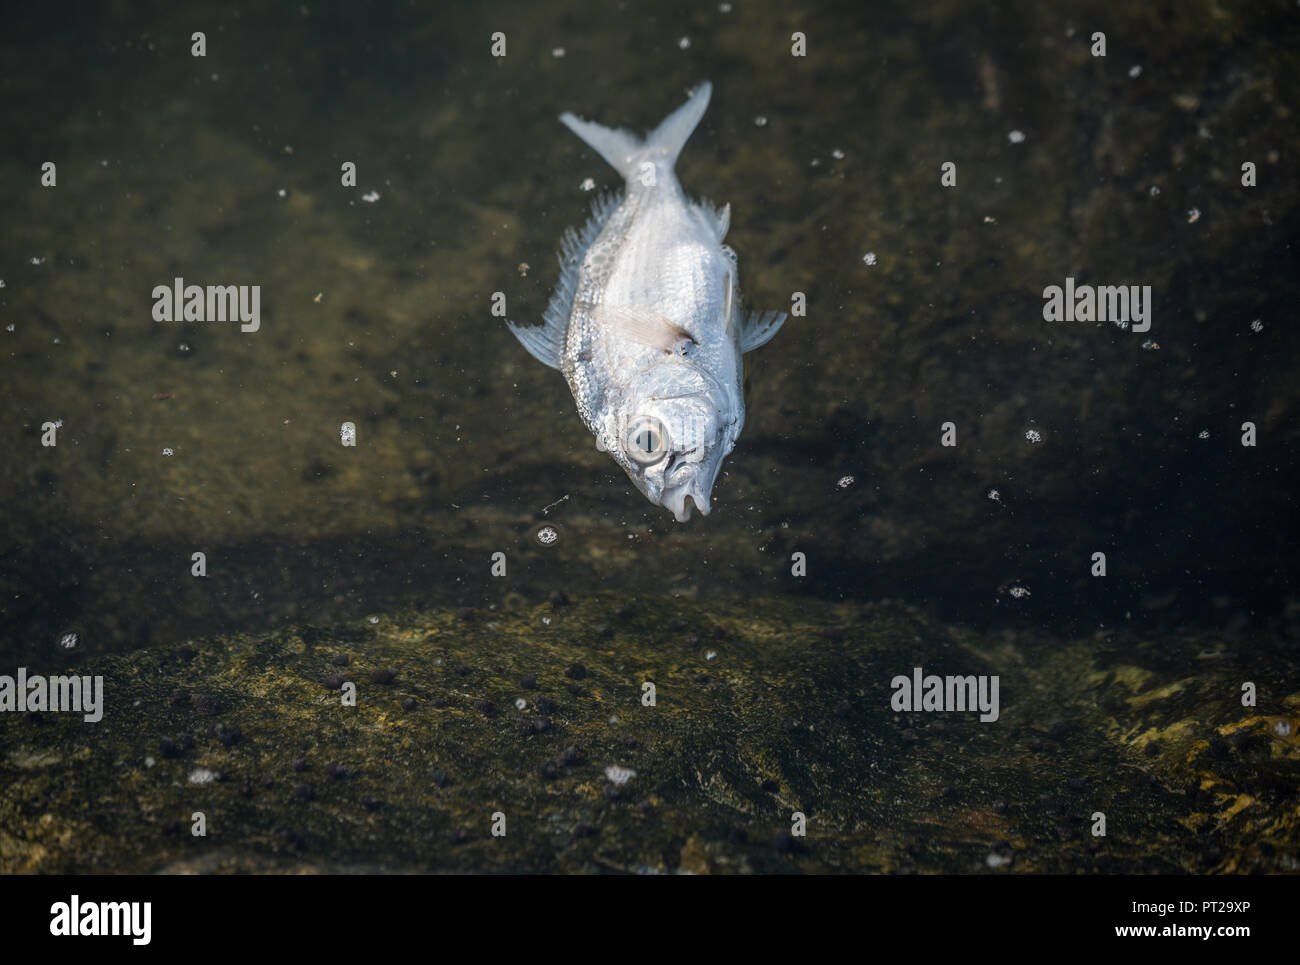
645, 323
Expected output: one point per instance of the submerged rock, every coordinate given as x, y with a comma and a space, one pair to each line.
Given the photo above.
772, 748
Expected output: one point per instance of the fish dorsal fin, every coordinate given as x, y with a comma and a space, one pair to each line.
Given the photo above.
643, 325
757, 328
546, 342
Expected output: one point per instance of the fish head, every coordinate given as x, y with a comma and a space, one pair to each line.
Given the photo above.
674, 429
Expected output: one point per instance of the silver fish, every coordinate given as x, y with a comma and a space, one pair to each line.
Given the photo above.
645, 322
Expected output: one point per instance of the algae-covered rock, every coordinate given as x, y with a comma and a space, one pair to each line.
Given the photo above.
537, 721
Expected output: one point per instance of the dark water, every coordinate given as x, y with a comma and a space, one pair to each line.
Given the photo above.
1072, 438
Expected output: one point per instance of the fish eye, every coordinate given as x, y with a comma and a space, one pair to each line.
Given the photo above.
647, 441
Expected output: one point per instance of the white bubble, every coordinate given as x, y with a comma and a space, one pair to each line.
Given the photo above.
588, 184
1016, 137
869, 259
845, 482
1203, 434
1033, 435
202, 775
1155, 191
169, 452
1135, 71
837, 154
1257, 326
1193, 215
557, 52
760, 121
521, 704
1018, 592
684, 43
370, 196
619, 775
547, 535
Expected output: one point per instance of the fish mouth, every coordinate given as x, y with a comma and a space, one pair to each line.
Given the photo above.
684, 497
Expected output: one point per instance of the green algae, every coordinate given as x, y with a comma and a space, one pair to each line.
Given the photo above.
761, 711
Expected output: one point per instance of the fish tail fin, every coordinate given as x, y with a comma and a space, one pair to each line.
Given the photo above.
671, 136
625, 151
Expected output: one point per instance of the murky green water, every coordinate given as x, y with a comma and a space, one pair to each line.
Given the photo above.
1072, 438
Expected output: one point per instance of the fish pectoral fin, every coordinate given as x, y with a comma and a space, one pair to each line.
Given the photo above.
643, 325
728, 304
544, 342
757, 328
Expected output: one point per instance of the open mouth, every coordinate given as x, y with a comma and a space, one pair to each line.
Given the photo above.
686, 497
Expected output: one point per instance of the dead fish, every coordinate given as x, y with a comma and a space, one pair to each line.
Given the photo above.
646, 323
